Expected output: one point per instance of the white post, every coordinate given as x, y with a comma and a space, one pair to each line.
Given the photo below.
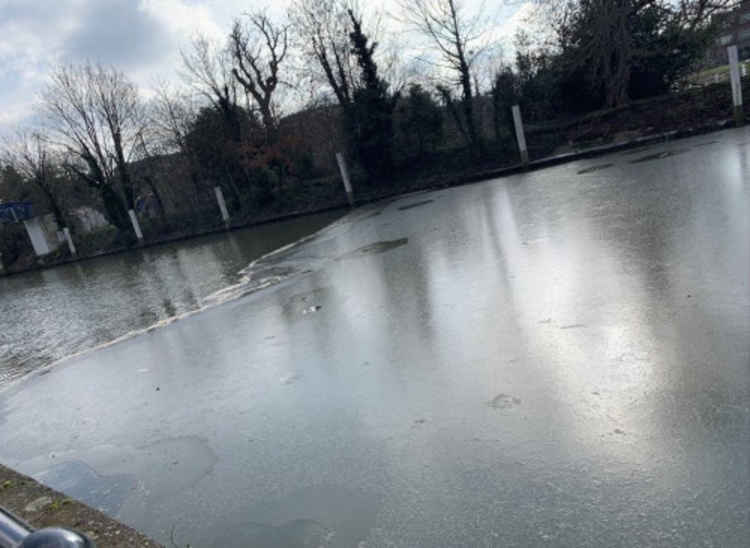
37, 237
222, 206
136, 225
520, 137
71, 245
345, 177
734, 75
743, 66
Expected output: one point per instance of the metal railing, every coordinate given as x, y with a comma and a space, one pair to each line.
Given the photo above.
14, 533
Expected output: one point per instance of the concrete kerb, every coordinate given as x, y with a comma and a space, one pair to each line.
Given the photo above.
40, 506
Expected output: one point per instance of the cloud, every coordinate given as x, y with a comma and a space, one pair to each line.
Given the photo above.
141, 37
116, 32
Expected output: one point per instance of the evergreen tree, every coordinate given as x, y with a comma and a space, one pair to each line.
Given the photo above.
372, 112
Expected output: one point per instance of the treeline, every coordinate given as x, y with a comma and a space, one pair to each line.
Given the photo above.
230, 125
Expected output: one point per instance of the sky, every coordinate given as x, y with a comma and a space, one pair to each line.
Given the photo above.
140, 37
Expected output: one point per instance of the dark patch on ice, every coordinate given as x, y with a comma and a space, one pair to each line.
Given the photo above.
306, 303
658, 156
311, 309
594, 168
415, 204
290, 379
504, 401
573, 326
707, 143
377, 247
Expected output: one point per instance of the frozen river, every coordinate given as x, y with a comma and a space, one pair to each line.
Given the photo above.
554, 358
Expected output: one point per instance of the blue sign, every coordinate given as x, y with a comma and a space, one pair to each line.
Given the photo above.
14, 212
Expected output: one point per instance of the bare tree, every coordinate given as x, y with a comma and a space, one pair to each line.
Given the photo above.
119, 106
94, 112
459, 38
207, 69
172, 118
147, 154
259, 47
322, 31
30, 154
172, 115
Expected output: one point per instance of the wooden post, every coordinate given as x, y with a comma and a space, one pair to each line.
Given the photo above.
520, 136
71, 245
345, 177
222, 206
734, 76
136, 225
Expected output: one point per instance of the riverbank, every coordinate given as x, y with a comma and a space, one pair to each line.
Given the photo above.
40, 506
373, 194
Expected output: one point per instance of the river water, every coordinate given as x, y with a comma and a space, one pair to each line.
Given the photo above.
50, 314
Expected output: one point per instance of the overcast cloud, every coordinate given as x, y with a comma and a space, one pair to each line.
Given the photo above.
141, 37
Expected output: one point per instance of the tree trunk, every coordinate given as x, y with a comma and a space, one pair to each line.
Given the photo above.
53, 205
159, 202
269, 123
468, 108
116, 212
125, 179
